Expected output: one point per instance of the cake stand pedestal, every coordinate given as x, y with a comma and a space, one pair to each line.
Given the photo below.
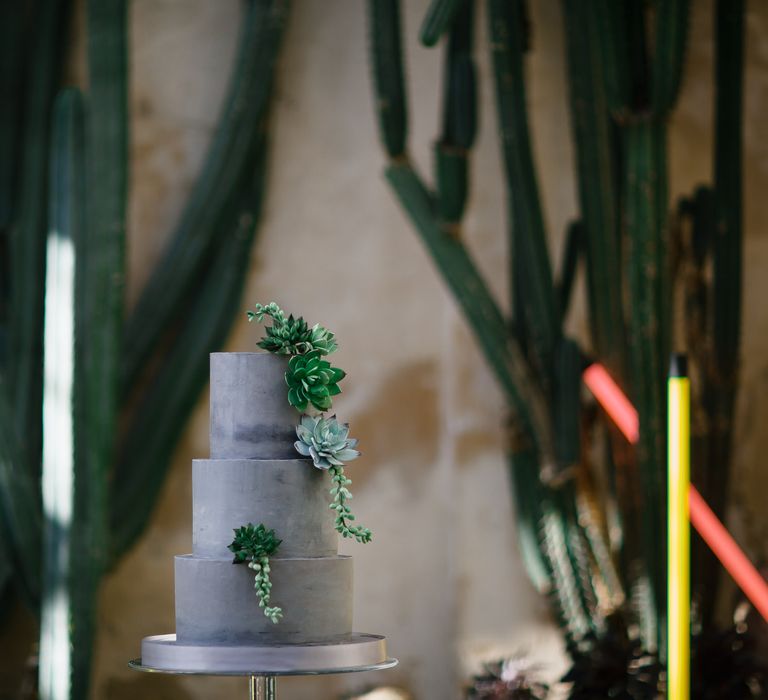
262, 665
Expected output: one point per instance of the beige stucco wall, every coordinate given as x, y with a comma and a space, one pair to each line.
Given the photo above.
443, 578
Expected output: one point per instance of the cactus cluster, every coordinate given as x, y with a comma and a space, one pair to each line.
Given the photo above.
64, 190
625, 65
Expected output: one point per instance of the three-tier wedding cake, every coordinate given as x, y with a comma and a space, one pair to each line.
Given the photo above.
255, 475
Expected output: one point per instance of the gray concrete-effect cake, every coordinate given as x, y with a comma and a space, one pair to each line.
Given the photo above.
255, 475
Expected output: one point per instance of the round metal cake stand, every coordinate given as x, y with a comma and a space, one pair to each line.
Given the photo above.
262, 682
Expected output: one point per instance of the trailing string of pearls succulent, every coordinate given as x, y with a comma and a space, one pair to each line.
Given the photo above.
256, 545
326, 441
312, 381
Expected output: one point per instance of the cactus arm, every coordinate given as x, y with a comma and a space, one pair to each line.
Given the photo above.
574, 245
585, 573
728, 184
632, 16
27, 244
568, 601
589, 515
11, 41
156, 424
100, 289
20, 515
668, 61
543, 538
568, 367
594, 139
459, 120
6, 575
526, 490
71, 572
480, 309
203, 222
440, 16
722, 370
460, 95
451, 180
695, 227
645, 199
527, 225
388, 75
608, 20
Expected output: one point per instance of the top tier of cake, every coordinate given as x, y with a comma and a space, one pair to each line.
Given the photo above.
250, 414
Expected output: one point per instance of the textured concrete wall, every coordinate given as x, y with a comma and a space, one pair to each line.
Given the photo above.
443, 578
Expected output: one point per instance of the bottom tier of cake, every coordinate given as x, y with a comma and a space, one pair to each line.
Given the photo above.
216, 602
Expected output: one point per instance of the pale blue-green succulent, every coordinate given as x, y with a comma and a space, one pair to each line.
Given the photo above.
326, 441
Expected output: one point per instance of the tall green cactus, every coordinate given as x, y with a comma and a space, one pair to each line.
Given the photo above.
28, 229
21, 402
182, 294
101, 490
625, 66
714, 300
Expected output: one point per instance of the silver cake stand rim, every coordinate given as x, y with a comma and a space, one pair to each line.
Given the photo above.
136, 665
360, 652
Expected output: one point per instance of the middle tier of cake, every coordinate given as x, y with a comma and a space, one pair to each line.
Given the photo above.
289, 496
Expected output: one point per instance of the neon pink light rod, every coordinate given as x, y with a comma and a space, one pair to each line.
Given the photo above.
734, 560
613, 400
712, 531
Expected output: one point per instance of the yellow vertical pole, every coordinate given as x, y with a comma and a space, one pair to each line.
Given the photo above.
678, 532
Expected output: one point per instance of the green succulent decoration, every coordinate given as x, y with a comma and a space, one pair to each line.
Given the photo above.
312, 380
291, 336
256, 545
344, 516
326, 441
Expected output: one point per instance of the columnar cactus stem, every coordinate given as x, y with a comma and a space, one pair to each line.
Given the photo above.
594, 139
527, 235
207, 219
459, 120
27, 236
625, 69
440, 16
389, 80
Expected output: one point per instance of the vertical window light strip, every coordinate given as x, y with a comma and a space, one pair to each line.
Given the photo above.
58, 463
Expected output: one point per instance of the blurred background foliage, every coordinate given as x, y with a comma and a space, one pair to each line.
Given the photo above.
93, 399
590, 507
84, 447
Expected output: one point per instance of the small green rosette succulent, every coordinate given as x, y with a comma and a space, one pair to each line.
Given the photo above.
326, 441
311, 379
322, 339
291, 336
256, 545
